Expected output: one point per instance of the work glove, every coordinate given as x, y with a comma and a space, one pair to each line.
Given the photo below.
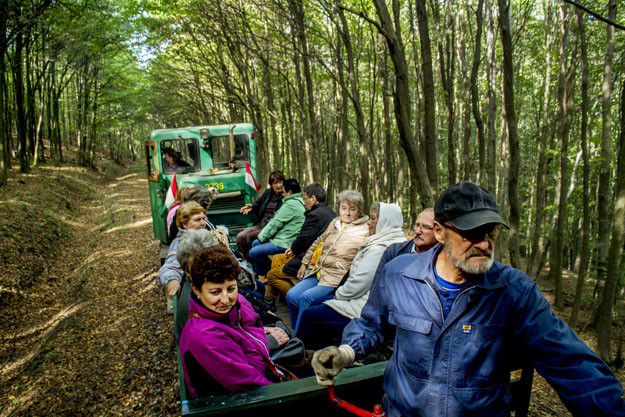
328, 362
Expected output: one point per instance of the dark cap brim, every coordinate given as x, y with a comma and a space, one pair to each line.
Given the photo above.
477, 218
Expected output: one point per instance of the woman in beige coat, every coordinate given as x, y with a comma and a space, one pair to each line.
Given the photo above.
341, 241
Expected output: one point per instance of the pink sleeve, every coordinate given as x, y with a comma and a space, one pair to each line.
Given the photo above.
171, 215
226, 364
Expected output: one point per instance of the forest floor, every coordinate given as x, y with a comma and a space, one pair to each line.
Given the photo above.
83, 327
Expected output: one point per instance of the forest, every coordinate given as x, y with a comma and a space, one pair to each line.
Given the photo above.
397, 99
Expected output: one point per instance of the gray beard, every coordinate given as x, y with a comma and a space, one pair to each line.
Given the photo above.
465, 266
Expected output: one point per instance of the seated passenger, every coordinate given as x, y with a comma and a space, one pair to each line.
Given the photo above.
223, 344
341, 241
189, 216
174, 160
281, 230
423, 239
322, 325
264, 207
171, 213
317, 217
190, 244
201, 195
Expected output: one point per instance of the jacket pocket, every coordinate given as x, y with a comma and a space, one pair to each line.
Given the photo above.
410, 322
413, 343
478, 358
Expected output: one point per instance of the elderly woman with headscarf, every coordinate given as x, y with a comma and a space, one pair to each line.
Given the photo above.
321, 325
340, 241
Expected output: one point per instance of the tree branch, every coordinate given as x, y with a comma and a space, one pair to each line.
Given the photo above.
368, 19
597, 15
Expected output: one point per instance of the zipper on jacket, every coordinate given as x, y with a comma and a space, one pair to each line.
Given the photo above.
437, 298
252, 336
320, 261
458, 296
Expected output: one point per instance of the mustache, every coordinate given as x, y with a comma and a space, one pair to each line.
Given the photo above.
479, 252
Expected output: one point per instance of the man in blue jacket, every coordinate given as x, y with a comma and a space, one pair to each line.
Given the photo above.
461, 321
423, 240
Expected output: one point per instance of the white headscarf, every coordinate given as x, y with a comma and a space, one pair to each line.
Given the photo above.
389, 227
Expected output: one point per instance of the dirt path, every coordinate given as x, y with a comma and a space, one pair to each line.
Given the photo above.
90, 336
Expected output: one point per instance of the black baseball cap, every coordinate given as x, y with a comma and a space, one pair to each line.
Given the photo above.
466, 206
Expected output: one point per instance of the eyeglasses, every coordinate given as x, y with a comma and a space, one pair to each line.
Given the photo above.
423, 227
488, 231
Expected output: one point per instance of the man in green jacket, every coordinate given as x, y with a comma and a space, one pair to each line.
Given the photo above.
282, 229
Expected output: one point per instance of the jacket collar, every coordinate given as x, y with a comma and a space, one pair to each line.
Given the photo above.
363, 219
231, 318
422, 269
316, 206
294, 196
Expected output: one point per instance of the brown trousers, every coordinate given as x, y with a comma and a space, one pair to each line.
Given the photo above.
245, 239
278, 283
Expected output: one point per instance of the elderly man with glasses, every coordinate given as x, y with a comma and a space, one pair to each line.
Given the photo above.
461, 321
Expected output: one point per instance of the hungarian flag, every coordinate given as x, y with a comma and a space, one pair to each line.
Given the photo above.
249, 178
172, 192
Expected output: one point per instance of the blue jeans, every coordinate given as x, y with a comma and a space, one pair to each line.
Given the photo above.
306, 293
321, 326
258, 255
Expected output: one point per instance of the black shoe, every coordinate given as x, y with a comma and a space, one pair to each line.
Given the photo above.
271, 304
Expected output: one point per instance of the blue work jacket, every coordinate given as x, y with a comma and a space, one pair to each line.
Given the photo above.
459, 366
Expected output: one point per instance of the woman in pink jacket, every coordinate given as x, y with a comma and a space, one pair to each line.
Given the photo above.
223, 346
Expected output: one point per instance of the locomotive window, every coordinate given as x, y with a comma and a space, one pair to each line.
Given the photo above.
220, 151
151, 161
180, 155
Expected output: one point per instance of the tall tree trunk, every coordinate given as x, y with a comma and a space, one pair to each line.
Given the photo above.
344, 141
30, 100
479, 123
389, 177
603, 190
354, 96
542, 168
312, 133
584, 254
565, 104
513, 138
402, 104
492, 100
303, 134
466, 102
271, 111
57, 122
446, 58
18, 91
431, 162
4, 138
616, 246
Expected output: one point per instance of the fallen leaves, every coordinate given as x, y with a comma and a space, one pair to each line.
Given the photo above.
113, 356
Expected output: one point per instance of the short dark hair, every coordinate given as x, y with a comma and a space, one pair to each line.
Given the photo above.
200, 195
276, 176
292, 185
315, 189
215, 264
